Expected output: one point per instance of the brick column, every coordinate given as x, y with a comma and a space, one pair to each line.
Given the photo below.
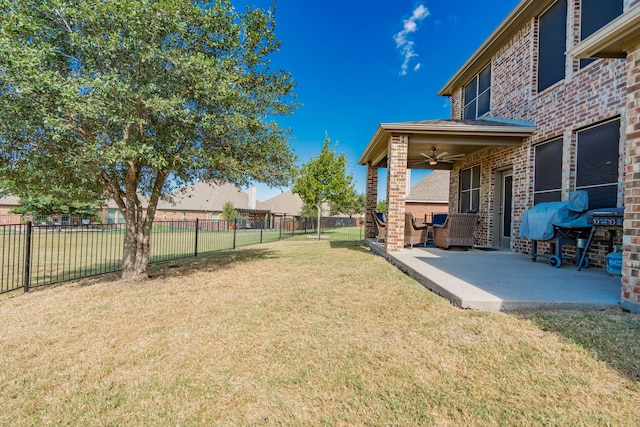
630, 297
371, 201
396, 191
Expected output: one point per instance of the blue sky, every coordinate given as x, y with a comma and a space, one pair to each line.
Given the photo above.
361, 63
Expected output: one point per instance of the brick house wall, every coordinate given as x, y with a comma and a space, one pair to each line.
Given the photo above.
422, 210
371, 201
631, 249
396, 192
585, 97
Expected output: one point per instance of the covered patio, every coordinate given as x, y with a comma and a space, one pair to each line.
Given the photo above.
433, 144
504, 281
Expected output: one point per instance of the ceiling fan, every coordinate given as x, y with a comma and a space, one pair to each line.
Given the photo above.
434, 158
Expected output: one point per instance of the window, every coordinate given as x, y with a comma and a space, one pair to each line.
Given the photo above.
598, 153
470, 189
595, 14
547, 181
477, 95
552, 42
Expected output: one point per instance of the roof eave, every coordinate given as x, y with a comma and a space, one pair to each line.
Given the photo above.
612, 40
524, 11
376, 149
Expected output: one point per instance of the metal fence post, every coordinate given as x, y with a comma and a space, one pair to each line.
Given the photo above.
26, 277
195, 252
235, 229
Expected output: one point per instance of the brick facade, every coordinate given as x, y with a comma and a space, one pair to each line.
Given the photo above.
371, 201
422, 210
396, 191
585, 97
631, 249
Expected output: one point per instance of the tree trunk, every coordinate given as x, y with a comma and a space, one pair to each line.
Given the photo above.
135, 260
135, 266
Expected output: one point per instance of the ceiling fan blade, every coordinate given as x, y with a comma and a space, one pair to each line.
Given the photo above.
442, 155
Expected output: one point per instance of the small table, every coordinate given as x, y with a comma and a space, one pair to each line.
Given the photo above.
429, 227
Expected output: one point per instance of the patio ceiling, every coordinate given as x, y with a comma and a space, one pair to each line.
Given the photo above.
453, 136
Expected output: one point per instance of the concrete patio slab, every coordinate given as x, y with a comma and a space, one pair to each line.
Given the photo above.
504, 281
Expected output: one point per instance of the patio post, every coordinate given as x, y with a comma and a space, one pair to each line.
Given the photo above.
396, 191
630, 294
371, 201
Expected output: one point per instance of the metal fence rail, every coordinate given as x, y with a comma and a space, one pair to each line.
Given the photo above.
44, 254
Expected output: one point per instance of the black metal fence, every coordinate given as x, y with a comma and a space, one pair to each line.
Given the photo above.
43, 254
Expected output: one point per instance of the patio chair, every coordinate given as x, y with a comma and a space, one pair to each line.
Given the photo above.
458, 230
377, 217
413, 234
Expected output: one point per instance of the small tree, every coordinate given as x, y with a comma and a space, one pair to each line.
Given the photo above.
229, 212
47, 206
381, 207
354, 204
324, 179
64, 200
308, 212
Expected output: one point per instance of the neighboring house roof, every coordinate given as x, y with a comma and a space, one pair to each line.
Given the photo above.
10, 200
285, 203
203, 196
432, 188
523, 12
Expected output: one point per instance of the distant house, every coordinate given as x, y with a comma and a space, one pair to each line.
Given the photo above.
548, 104
7, 203
286, 204
430, 195
200, 200
206, 201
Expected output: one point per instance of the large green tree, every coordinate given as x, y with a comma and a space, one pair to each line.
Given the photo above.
324, 179
135, 98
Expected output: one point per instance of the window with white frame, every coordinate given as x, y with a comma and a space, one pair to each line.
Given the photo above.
597, 163
552, 43
470, 189
477, 95
547, 180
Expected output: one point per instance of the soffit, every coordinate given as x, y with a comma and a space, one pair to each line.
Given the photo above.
453, 136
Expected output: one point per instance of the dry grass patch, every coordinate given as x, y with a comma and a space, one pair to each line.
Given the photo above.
290, 333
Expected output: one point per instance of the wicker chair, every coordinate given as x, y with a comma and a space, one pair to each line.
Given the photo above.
458, 230
382, 229
413, 234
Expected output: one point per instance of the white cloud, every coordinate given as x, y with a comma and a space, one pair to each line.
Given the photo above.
402, 39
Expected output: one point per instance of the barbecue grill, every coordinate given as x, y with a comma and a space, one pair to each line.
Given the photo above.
610, 220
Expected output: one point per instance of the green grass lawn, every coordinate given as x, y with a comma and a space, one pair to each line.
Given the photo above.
304, 333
